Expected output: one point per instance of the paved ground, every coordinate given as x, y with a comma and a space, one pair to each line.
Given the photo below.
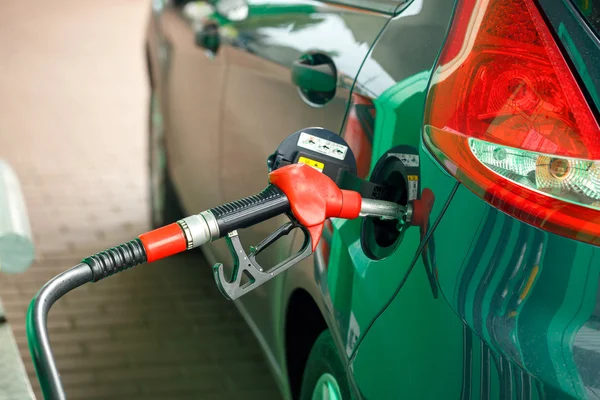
73, 112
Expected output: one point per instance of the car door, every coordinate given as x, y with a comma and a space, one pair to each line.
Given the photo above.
193, 81
263, 104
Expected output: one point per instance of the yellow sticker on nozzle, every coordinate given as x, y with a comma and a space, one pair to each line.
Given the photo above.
312, 163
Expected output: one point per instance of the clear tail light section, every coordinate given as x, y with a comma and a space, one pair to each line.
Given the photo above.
506, 116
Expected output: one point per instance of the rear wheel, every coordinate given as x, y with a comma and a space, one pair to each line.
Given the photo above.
164, 202
324, 375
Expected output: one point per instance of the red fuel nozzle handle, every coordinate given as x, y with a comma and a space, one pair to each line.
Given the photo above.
311, 196
314, 197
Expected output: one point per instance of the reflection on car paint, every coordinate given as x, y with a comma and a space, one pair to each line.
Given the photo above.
358, 132
291, 28
421, 217
525, 292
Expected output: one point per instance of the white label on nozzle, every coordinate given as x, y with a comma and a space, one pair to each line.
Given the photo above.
322, 146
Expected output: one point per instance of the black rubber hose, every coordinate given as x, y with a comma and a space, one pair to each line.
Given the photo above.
37, 329
116, 259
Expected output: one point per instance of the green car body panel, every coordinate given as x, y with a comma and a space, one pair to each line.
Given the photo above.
472, 303
514, 318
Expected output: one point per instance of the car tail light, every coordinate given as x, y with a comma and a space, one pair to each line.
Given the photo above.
506, 116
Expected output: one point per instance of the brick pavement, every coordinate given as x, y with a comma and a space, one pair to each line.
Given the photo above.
73, 109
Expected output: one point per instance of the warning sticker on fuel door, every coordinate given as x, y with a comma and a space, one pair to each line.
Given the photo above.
322, 146
312, 163
409, 160
413, 187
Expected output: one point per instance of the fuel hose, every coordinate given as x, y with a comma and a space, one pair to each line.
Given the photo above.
160, 243
307, 196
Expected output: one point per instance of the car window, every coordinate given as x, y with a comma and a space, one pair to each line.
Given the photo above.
590, 9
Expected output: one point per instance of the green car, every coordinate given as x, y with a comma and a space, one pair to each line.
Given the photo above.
481, 114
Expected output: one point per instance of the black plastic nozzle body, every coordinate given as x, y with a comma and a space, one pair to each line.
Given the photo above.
250, 210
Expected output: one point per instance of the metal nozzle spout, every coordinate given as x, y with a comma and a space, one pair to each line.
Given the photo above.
385, 210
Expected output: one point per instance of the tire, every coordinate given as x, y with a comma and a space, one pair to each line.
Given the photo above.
324, 376
165, 207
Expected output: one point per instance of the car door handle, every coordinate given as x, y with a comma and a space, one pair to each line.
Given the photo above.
318, 78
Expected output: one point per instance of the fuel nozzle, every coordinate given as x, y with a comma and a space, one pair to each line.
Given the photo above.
307, 196
304, 194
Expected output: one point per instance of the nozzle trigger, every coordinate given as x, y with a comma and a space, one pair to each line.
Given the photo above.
246, 264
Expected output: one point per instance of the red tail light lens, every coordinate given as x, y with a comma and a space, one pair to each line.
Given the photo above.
506, 116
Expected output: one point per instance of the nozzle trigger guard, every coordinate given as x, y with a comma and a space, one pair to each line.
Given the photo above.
245, 264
